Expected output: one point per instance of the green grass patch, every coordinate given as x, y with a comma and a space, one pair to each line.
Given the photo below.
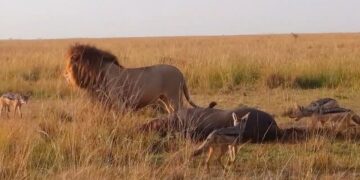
244, 75
320, 80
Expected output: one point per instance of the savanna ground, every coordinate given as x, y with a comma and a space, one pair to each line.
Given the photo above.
63, 135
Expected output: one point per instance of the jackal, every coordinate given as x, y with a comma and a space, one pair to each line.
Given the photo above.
14, 100
328, 112
320, 106
340, 120
223, 140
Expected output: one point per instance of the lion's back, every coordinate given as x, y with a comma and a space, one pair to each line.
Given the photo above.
167, 74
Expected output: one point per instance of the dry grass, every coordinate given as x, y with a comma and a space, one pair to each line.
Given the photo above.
63, 135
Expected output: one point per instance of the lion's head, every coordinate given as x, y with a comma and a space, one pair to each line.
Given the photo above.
85, 65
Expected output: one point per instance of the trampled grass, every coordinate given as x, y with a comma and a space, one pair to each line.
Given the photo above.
63, 135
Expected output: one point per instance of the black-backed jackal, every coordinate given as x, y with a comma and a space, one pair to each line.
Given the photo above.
13, 100
338, 121
223, 140
328, 113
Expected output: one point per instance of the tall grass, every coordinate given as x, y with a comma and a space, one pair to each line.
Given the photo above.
63, 135
310, 61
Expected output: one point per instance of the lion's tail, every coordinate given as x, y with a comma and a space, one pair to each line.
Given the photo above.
187, 96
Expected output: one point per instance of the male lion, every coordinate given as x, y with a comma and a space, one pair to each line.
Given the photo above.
100, 74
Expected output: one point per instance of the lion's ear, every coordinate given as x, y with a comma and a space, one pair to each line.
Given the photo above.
297, 106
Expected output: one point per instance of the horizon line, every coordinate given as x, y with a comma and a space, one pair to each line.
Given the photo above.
175, 36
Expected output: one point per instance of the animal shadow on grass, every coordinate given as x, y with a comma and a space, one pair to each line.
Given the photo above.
297, 134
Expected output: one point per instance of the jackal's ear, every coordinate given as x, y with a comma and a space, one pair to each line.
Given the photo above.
245, 117
244, 121
301, 108
298, 107
234, 116
295, 106
236, 121
28, 94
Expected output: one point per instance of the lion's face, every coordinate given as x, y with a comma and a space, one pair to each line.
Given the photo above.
85, 66
68, 75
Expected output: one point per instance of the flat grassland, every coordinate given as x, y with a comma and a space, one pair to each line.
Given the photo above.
63, 135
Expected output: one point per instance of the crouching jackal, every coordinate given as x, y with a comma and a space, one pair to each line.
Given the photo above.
338, 122
223, 140
328, 113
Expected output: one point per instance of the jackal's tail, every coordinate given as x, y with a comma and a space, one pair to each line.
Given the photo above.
200, 150
204, 146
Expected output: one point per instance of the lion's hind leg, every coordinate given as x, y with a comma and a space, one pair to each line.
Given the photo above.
175, 99
165, 102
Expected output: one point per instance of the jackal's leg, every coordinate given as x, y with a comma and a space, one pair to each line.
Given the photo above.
351, 125
19, 110
232, 149
8, 111
1, 110
347, 126
341, 126
15, 109
314, 122
223, 150
208, 158
232, 154
355, 131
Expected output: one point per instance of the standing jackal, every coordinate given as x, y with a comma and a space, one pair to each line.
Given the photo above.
14, 100
223, 140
